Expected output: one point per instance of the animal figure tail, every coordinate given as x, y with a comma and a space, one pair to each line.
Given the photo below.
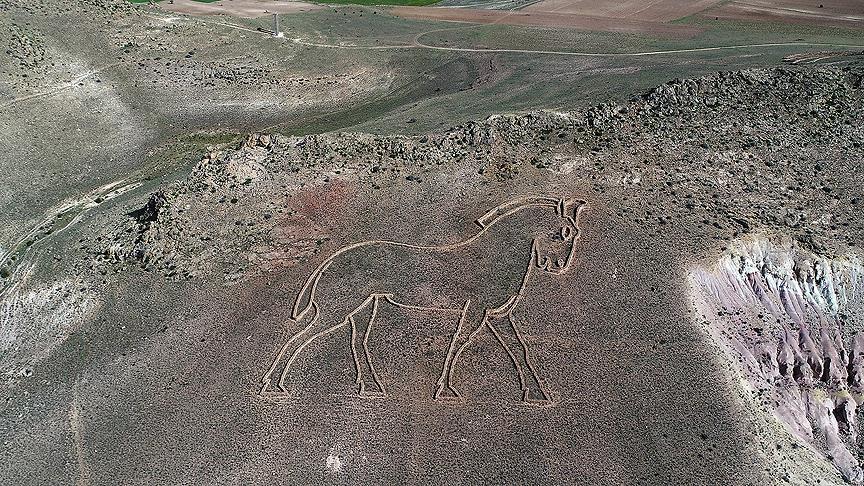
307, 293
282, 360
303, 315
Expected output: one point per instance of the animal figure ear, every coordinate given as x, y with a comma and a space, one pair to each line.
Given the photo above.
561, 207
575, 207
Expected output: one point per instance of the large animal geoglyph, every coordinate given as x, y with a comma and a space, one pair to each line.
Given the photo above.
477, 283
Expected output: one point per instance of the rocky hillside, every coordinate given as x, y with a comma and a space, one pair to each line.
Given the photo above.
703, 165
164, 307
791, 322
724, 155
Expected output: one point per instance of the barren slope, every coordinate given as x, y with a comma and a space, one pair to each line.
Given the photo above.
177, 303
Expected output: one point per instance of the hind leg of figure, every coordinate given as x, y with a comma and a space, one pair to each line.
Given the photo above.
328, 320
368, 383
279, 362
507, 333
470, 324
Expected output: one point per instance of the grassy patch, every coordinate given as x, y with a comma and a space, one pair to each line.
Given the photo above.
723, 31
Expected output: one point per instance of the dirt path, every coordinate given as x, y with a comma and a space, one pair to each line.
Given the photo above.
55, 221
417, 43
62, 87
639, 54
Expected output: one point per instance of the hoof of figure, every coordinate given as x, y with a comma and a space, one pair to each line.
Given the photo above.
371, 392
536, 396
268, 388
447, 393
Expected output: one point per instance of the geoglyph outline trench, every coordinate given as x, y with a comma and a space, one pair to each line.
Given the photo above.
565, 230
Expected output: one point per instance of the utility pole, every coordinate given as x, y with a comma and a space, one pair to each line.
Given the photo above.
276, 32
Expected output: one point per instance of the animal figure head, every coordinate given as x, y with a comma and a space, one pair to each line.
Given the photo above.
557, 228
552, 250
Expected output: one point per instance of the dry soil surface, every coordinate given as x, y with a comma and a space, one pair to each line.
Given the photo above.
835, 13
651, 11
660, 290
237, 8
548, 19
285, 312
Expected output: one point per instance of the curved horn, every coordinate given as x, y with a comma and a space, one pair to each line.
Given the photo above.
514, 205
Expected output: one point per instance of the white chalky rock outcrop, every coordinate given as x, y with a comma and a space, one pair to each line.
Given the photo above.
35, 321
792, 321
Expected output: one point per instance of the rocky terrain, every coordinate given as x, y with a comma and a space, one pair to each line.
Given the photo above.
709, 332
725, 155
791, 321
736, 195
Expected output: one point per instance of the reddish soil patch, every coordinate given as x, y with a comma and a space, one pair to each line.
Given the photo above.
248, 9
649, 11
833, 13
320, 202
548, 19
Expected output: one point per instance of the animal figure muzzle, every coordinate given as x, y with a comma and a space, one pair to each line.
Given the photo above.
554, 265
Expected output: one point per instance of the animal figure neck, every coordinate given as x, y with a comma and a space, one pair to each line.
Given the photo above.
514, 235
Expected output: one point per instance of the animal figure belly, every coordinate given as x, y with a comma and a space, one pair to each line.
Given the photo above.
425, 278
422, 278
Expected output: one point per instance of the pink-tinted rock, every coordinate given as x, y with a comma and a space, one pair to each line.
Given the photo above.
786, 316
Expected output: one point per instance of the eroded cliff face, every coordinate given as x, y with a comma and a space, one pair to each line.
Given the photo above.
792, 322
